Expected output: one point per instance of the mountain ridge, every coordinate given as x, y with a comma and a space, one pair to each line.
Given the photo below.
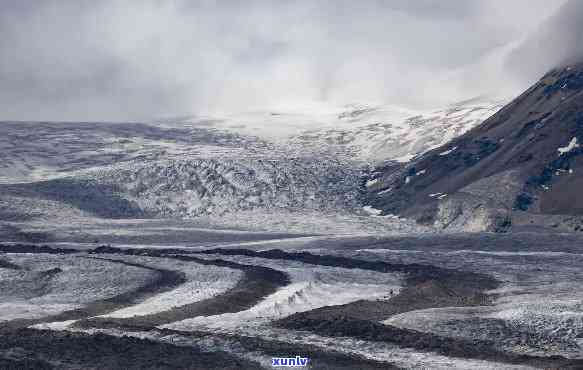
529, 149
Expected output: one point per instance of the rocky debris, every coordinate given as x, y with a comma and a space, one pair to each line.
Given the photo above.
468, 213
416, 273
47, 274
342, 326
78, 350
35, 248
102, 200
361, 320
504, 334
8, 265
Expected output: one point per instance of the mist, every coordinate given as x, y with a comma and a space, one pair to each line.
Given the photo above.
557, 42
138, 60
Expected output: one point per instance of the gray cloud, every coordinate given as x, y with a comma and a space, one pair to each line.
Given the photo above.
118, 60
556, 42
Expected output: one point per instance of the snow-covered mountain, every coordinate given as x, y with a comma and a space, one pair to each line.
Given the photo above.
190, 168
378, 133
367, 132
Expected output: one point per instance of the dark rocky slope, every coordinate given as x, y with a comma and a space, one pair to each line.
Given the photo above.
525, 158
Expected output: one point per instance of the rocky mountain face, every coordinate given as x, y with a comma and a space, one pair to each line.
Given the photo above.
523, 162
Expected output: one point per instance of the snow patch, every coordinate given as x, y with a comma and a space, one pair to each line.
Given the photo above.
55, 325
573, 144
372, 211
385, 191
372, 182
447, 152
405, 158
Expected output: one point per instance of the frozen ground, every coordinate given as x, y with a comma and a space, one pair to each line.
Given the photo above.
49, 284
536, 311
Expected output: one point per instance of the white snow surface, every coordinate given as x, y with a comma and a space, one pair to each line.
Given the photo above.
573, 144
55, 325
288, 121
31, 151
374, 133
372, 211
385, 191
371, 182
447, 152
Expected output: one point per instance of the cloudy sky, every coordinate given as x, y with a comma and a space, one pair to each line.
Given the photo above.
127, 60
